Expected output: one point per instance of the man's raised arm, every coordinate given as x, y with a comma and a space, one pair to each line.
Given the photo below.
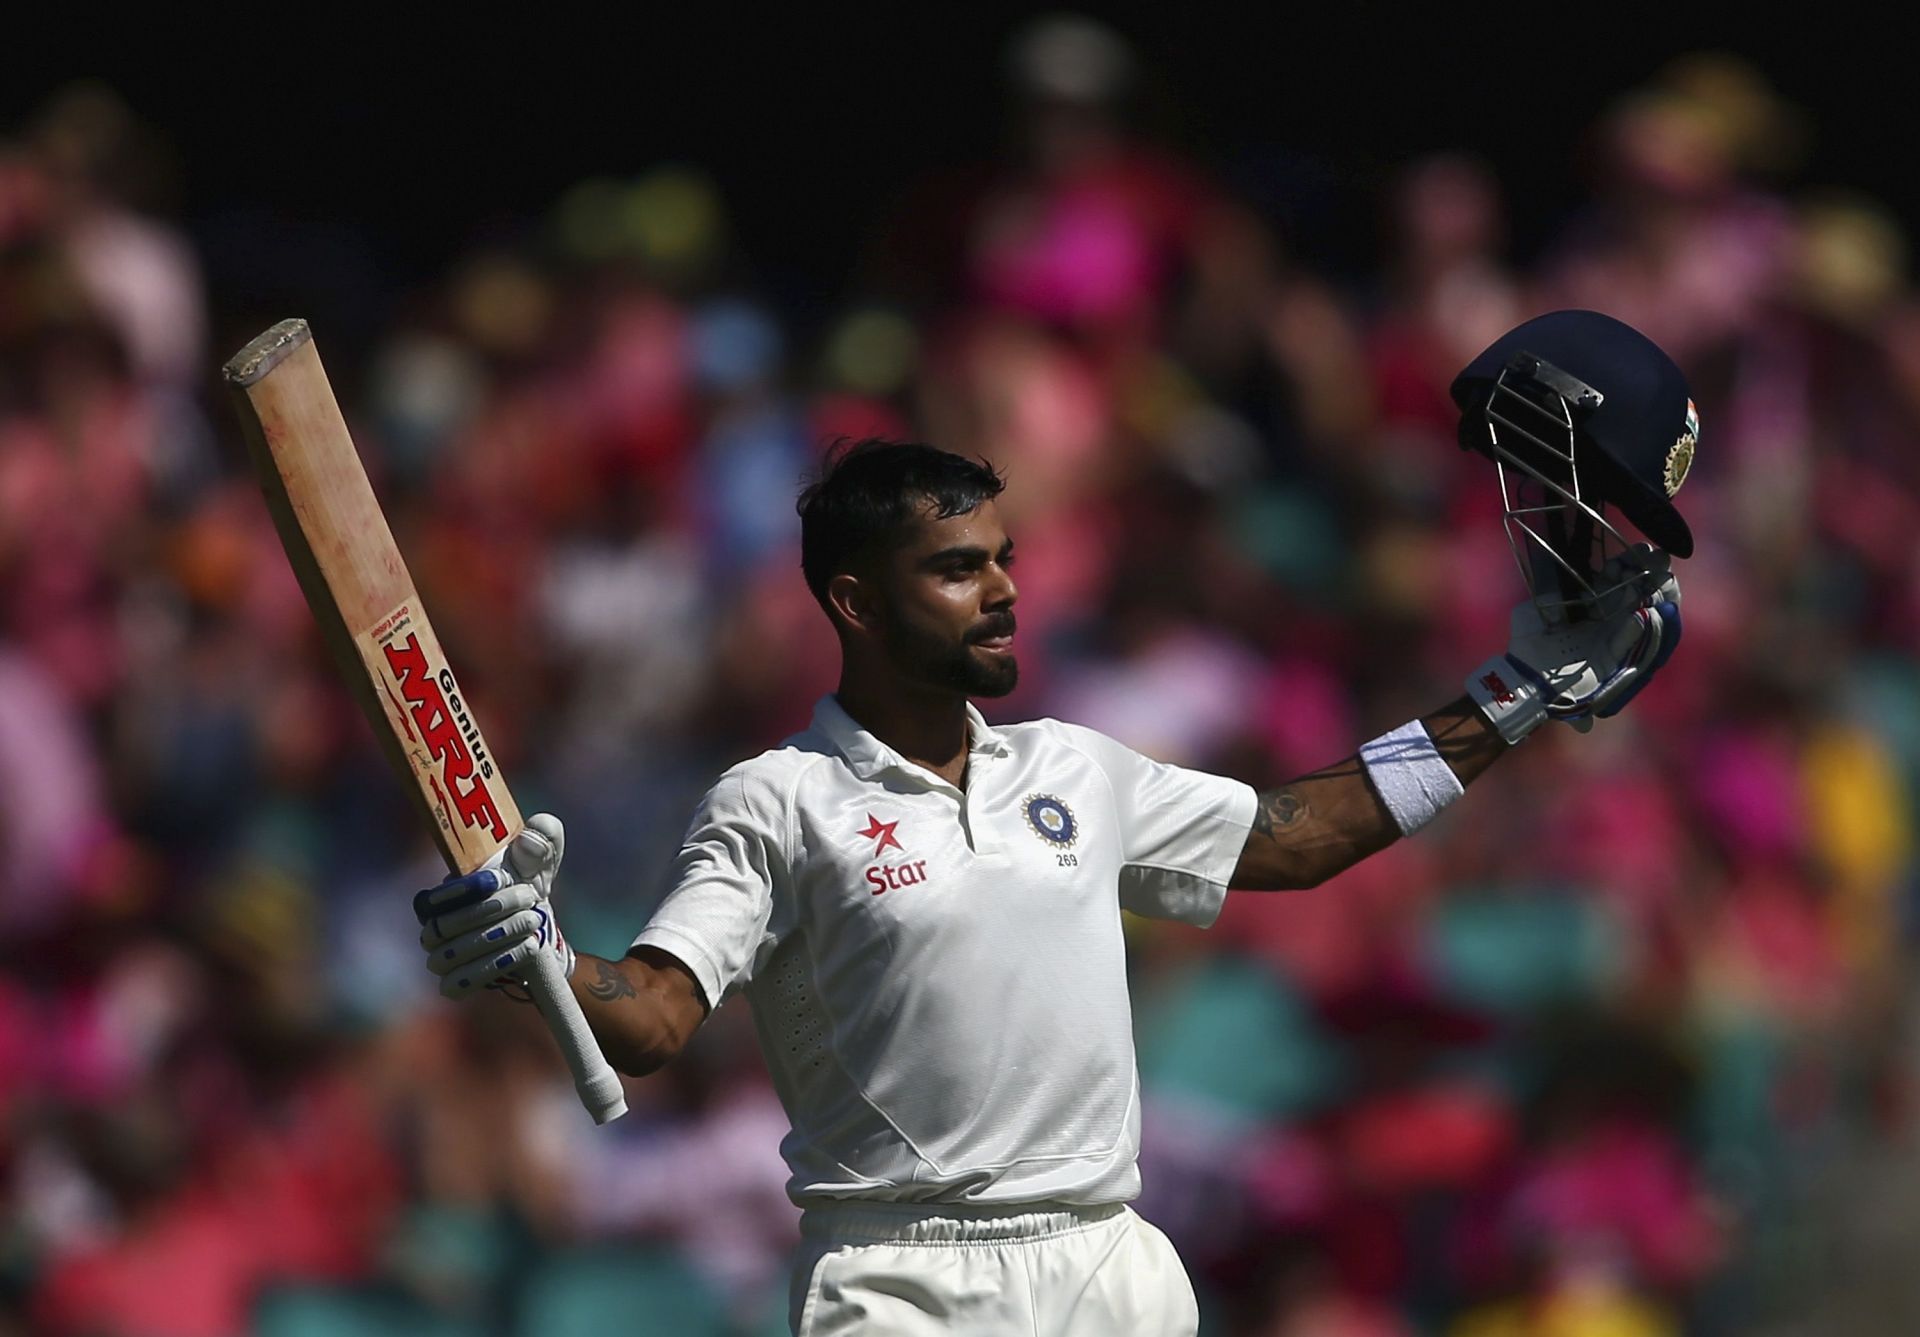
1322, 824
480, 930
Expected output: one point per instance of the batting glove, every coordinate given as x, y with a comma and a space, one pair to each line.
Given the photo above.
1587, 670
480, 929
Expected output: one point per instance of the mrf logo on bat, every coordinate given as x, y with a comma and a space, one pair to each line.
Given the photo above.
426, 704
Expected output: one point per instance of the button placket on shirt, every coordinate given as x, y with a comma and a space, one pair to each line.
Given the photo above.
937, 785
968, 805
969, 809
979, 833
966, 810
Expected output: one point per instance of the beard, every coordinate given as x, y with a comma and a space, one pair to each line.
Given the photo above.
956, 666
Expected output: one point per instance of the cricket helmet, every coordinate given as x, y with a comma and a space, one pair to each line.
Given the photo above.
1578, 411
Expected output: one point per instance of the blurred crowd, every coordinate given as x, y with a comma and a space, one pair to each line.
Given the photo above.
1581, 1059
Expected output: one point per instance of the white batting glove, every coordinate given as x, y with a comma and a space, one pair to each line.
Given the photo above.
1582, 671
479, 930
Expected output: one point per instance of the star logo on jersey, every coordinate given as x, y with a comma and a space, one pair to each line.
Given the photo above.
883, 832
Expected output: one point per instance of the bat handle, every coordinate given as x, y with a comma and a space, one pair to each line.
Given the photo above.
593, 1078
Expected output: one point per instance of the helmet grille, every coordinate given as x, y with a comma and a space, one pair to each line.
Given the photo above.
1555, 525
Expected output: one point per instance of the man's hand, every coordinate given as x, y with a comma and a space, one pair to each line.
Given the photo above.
478, 930
1580, 671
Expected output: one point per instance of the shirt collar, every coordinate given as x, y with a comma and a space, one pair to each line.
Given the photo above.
869, 756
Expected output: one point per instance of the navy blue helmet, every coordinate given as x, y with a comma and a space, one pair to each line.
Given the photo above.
1634, 426
1580, 411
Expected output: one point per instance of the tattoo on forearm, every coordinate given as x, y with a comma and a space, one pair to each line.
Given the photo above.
609, 983
1275, 809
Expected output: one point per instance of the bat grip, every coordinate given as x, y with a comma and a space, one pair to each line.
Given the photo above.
593, 1078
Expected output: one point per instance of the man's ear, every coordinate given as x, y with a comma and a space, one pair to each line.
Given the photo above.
853, 601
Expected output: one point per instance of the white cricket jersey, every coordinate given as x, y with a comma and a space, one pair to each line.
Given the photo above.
938, 976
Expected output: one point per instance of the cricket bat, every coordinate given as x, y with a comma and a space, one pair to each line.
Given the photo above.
357, 585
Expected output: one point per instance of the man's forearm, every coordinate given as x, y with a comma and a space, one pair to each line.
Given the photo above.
642, 1008
1322, 824
1466, 739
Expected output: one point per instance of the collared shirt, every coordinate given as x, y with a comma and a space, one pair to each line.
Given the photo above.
937, 974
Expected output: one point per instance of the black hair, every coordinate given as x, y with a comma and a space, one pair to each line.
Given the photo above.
868, 493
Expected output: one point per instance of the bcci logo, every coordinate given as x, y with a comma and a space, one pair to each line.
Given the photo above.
1680, 455
1051, 820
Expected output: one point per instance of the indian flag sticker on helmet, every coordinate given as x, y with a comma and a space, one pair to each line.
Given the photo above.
1051, 820
1680, 456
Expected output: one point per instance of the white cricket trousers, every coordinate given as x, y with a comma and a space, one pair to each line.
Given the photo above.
1035, 1270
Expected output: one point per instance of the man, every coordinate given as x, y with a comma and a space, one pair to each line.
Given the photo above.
924, 910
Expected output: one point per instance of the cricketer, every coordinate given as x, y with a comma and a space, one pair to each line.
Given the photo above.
924, 911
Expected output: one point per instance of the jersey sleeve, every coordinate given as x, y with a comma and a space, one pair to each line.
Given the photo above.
1181, 831
718, 914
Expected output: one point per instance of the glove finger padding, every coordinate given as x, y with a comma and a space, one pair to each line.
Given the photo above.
1573, 671
501, 938
1642, 644
488, 971
510, 899
1636, 578
458, 891
1663, 621
1602, 658
531, 857
481, 928
534, 855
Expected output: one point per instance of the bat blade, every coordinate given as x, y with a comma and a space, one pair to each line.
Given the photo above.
344, 555
357, 584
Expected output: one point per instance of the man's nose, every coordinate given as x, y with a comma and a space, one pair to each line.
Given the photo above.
1003, 592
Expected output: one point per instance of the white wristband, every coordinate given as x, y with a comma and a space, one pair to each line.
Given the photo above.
1410, 775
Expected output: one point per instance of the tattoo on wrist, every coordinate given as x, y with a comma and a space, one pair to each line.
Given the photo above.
1275, 809
608, 983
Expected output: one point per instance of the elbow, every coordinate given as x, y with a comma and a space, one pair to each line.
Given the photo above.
630, 1059
1303, 877
1277, 874
1298, 866
661, 1009
645, 1049
642, 1056
1303, 870
637, 1062
1320, 862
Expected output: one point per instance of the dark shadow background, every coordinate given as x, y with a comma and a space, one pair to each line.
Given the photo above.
411, 138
